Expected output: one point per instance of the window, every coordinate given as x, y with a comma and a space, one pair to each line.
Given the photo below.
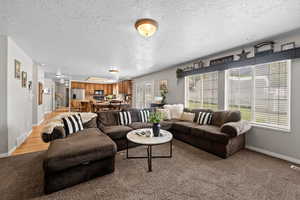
239, 91
202, 91
261, 93
144, 94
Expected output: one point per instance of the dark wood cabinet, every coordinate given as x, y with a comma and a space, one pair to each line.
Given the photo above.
123, 87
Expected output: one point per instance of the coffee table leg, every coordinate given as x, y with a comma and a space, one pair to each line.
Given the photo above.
171, 151
149, 158
126, 148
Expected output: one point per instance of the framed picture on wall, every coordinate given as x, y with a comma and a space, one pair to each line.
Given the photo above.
17, 69
40, 94
24, 79
163, 84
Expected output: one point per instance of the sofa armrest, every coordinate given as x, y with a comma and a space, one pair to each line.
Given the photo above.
234, 129
57, 133
92, 123
101, 126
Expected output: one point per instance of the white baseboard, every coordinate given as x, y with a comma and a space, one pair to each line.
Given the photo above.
39, 123
20, 140
276, 155
3, 155
12, 150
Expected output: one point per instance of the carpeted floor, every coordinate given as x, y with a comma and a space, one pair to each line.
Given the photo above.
191, 174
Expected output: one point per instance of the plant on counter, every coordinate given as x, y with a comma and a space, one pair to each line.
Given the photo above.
109, 97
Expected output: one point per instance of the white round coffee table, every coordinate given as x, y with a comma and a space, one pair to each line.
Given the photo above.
165, 137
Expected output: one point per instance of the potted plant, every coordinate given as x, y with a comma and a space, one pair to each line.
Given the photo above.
163, 94
179, 72
155, 118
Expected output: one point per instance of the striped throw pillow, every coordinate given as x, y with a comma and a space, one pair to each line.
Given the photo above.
125, 118
144, 115
204, 118
72, 124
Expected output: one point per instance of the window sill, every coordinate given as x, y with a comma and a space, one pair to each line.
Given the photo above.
279, 129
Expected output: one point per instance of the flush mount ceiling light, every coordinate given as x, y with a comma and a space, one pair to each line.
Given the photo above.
146, 27
113, 70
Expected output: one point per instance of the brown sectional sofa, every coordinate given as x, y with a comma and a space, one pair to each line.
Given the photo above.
91, 152
77, 158
224, 137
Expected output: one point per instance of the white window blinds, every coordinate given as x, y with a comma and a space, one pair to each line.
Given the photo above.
239, 91
202, 91
272, 94
261, 93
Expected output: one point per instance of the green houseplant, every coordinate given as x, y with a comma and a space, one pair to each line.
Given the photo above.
163, 94
155, 118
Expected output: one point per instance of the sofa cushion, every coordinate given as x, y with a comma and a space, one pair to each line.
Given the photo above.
210, 132
117, 132
108, 118
139, 125
183, 126
176, 110
72, 124
124, 118
233, 116
204, 118
222, 117
144, 115
196, 111
135, 113
79, 148
187, 116
165, 113
167, 124
91, 123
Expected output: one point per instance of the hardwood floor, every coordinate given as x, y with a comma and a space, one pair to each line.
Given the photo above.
34, 142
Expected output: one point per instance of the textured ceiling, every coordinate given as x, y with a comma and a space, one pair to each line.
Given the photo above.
86, 37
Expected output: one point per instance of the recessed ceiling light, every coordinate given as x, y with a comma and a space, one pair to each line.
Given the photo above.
146, 27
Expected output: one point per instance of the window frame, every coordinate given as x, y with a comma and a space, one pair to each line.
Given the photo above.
253, 122
186, 99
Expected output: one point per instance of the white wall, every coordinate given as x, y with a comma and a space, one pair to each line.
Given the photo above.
40, 110
19, 100
3, 94
38, 75
274, 141
49, 98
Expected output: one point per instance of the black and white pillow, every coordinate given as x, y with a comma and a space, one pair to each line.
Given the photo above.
125, 118
72, 124
204, 118
144, 114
